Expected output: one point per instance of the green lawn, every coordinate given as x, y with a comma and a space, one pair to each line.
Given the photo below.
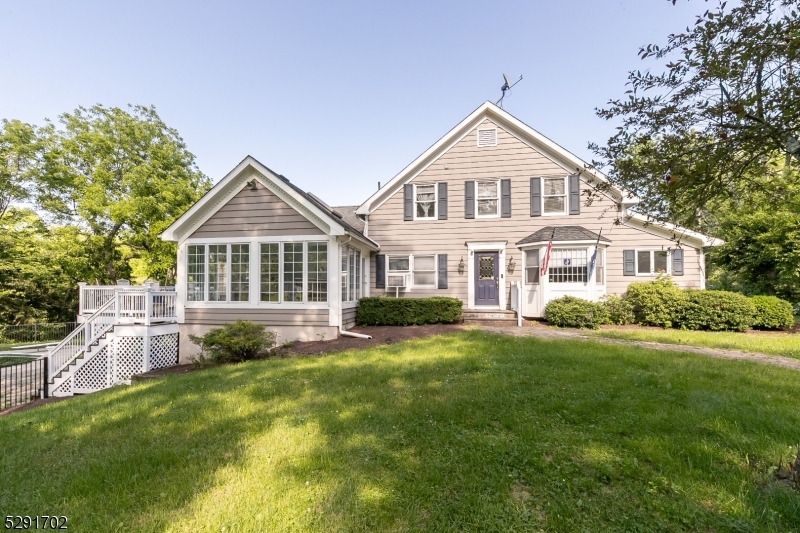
787, 344
464, 432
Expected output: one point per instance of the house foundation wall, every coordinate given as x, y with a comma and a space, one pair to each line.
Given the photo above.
188, 349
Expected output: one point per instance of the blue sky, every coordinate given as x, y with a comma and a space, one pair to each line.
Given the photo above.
334, 95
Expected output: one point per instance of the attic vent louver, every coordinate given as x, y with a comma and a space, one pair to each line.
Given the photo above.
487, 137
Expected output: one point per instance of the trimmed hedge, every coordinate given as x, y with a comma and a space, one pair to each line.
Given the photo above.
618, 309
384, 311
717, 311
772, 313
571, 312
656, 303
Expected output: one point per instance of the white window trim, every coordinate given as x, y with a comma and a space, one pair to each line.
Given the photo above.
652, 272
566, 197
601, 252
410, 270
435, 271
435, 201
499, 194
525, 266
254, 292
478, 138
344, 252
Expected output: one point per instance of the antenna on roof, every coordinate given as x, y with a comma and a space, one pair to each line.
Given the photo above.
506, 87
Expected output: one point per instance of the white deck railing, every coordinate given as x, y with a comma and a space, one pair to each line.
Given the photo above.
134, 304
84, 336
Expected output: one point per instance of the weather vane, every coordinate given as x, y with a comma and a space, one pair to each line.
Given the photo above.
506, 87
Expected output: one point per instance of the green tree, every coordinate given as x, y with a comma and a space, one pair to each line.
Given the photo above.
725, 109
39, 269
120, 177
18, 151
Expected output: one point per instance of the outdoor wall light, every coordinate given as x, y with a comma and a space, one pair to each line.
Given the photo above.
511, 265
461, 267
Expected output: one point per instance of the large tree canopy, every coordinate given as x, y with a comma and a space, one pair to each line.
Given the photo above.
121, 177
720, 122
105, 183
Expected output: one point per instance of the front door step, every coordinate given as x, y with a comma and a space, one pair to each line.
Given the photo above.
498, 317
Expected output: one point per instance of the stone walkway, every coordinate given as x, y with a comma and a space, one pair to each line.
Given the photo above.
563, 334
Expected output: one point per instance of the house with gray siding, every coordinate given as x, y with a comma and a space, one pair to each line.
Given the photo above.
470, 218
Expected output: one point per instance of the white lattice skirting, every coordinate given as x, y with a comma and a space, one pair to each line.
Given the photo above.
120, 358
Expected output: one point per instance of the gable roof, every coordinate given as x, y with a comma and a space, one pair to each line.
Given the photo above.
562, 234
560, 155
311, 207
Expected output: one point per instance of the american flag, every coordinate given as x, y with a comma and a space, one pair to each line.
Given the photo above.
594, 256
546, 260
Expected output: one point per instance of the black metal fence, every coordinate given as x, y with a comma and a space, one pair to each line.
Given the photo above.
35, 333
22, 382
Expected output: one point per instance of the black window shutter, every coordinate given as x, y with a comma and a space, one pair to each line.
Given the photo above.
574, 195
677, 262
442, 271
408, 202
536, 197
442, 201
469, 199
505, 198
380, 271
629, 262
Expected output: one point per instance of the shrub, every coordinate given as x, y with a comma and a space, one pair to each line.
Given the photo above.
384, 311
618, 310
772, 313
717, 311
571, 312
236, 341
655, 303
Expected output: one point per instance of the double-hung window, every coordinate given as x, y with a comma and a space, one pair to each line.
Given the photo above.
317, 272
240, 272
532, 266
293, 272
351, 274
487, 198
218, 272
399, 266
270, 272
600, 267
196, 273
425, 201
555, 196
425, 271
650, 262
568, 266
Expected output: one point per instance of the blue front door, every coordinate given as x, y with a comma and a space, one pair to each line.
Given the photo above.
486, 278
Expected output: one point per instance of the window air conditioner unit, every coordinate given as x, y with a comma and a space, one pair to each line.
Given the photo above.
397, 281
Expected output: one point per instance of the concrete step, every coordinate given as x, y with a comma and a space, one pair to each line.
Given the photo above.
489, 315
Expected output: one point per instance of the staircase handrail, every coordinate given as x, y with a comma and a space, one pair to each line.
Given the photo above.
77, 341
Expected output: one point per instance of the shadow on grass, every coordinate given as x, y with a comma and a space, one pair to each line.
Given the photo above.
467, 431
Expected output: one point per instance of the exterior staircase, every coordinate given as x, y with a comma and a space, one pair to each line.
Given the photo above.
128, 330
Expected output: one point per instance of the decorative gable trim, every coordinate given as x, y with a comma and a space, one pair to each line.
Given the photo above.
500, 118
231, 185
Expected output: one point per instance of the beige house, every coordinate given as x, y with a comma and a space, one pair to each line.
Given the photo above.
469, 218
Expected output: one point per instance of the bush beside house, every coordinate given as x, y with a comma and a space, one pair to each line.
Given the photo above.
772, 313
661, 303
571, 312
236, 341
383, 311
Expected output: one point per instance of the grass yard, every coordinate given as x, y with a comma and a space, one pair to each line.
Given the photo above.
776, 343
463, 432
